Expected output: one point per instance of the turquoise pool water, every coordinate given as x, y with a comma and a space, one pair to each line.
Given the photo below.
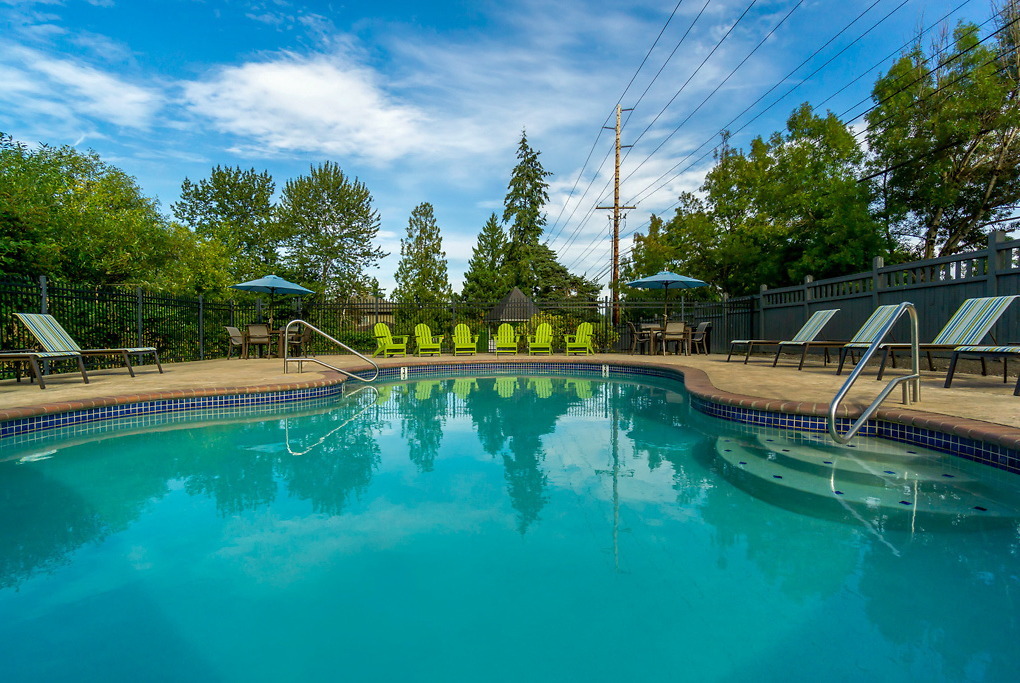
502, 529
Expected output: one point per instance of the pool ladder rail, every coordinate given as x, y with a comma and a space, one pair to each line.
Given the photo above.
301, 360
911, 383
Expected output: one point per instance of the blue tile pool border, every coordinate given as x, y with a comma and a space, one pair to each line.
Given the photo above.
992, 454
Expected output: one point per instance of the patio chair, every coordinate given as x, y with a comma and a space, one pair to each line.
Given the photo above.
967, 327
699, 340
388, 344
639, 338
676, 333
234, 340
426, 343
580, 342
258, 335
541, 341
298, 342
868, 333
54, 339
983, 352
807, 333
33, 358
506, 339
464, 341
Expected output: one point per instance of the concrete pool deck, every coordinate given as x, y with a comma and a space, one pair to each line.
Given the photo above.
982, 408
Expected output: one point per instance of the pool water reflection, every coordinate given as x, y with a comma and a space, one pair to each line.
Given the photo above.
493, 529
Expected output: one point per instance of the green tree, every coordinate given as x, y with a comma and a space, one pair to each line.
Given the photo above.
329, 226
235, 208
553, 282
485, 279
421, 276
789, 207
943, 134
524, 204
67, 214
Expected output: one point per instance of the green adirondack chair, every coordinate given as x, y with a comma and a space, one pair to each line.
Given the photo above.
541, 341
581, 341
427, 343
388, 344
463, 341
506, 339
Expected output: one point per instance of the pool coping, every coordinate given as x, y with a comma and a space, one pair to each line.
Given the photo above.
697, 382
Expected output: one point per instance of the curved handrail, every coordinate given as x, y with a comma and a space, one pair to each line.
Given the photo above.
301, 360
914, 377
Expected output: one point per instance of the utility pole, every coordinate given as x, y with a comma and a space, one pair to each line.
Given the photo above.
614, 283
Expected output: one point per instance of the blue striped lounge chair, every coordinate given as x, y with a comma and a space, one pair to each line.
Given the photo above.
983, 352
804, 335
967, 327
55, 339
33, 359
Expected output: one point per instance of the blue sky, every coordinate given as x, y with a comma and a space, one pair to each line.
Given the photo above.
425, 101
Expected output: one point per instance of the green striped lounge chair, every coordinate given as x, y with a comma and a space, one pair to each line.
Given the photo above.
967, 327
33, 359
55, 339
983, 352
804, 335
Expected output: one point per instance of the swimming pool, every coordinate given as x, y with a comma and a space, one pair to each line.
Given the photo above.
502, 529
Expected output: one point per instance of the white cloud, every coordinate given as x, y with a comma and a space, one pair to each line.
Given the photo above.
65, 88
317, 103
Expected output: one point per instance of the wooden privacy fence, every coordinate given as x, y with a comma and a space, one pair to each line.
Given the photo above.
936, 287
185, 329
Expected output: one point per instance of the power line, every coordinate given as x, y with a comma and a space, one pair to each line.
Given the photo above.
609, 116
637, 197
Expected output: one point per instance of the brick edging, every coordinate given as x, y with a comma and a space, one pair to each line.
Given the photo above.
697, 382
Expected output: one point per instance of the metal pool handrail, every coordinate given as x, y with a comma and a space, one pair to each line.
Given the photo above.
911, 383
286, 423
301, 360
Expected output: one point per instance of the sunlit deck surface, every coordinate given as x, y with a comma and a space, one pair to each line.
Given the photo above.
982, 407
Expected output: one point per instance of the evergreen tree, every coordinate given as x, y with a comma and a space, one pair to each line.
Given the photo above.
525, 200
485, 279
329, 226
421, 275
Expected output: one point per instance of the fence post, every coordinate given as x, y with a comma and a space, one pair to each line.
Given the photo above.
761, 310
992, 261
725, 330
808, 279
43, 295
138, 313
877, 264
201, 327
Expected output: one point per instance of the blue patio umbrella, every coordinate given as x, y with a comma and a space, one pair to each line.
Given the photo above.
272, 285
667, 281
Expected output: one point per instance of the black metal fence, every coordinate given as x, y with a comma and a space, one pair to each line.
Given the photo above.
186, 329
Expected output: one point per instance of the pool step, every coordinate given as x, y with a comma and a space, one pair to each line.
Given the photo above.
919, 489
864, 460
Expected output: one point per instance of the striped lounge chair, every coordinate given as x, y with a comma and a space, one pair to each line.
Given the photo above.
804, 337
967, 327
54, 339
33, 358
983, 352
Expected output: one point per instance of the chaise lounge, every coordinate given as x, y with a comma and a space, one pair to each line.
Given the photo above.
55, 339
